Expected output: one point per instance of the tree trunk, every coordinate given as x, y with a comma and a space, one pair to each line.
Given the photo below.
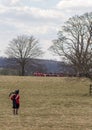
22, 70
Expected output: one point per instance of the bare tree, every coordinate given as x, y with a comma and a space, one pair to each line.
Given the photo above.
74, 42
22, 49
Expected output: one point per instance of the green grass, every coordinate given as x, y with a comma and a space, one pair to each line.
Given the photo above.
47, 103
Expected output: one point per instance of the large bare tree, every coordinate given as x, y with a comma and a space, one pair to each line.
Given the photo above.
22, 48
74, 42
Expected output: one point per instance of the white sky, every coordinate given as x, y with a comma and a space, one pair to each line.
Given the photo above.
40, 18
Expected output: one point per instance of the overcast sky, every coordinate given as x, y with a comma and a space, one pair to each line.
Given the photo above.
40, 18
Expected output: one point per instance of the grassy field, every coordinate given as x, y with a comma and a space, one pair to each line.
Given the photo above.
47, 103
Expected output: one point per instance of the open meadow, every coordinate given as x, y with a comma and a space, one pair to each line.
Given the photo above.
46, 103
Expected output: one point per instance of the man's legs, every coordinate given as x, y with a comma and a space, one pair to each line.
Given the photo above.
17, 111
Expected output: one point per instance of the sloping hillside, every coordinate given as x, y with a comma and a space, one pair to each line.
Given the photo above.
40, 65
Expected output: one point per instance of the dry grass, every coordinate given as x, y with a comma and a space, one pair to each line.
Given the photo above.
46, 103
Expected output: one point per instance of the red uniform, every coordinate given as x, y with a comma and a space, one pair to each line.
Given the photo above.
15, 98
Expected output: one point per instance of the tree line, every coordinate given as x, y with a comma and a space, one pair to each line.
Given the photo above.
73, 45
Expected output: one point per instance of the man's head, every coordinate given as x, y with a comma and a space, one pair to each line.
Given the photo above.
17, 91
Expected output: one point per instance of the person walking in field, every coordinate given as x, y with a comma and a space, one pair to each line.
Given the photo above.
15, 97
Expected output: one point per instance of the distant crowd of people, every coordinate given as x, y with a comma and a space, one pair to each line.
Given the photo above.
52, 74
